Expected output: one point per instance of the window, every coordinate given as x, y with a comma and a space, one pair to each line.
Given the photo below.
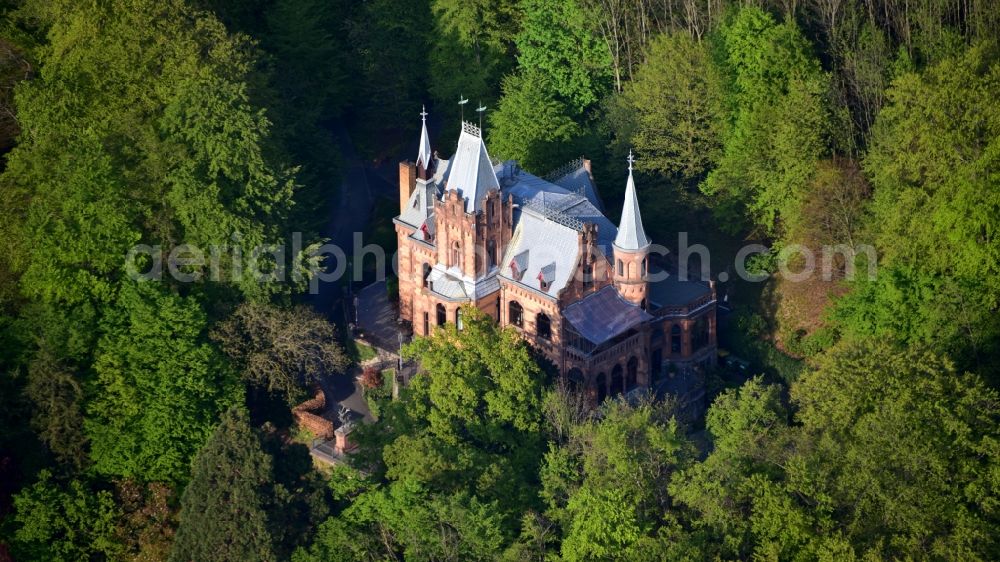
617, 385
632, 374
426, 274
442, 315
458, 318
491, 253
700, 336
515, 314
427, 324
588, 276
602, 387
544, 326
642, 268
675, 339
621, 268
456, 255
642, 304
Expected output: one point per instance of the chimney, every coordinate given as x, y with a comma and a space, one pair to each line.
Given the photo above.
407, 183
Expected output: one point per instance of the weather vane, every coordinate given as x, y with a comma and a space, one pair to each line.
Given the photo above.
462, 101
480, 111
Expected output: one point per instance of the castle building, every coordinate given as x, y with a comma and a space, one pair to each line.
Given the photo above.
539, 254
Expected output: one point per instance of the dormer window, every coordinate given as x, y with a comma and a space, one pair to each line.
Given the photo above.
545, 276
519, 265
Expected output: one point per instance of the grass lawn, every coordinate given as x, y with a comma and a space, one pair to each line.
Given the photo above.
359, 352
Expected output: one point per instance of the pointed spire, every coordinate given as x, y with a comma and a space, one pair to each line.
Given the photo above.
424, 154
631, 235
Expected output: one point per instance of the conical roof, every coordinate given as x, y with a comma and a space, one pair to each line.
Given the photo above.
631, 235
424, 153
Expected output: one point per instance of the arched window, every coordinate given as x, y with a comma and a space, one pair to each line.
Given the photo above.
543, 325
575, 379
515, 314
700, 336
456, 255
656, 362
632, 374
621, 268
458, 318
642, 268
442, 315
602, 387
617, 385
642, 304
675, 339
491, 254
426, 274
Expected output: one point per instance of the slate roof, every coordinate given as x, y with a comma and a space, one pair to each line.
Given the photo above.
559, 204
420, 205
576, 178
540, 244
631, 235
447, 285
470, 170
674, 292
604, 315
424, 154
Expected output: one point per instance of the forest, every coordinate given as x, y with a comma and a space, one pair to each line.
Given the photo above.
146, 421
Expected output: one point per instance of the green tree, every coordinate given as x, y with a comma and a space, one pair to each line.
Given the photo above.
557, 40
137, 132
64, 522
403, 521
778, 122
472, 420
908, 449
57, 419
613, 475
748, 426
894, 455
222, 509
934, 164
676, 100
531, 125
281, 350
160, 385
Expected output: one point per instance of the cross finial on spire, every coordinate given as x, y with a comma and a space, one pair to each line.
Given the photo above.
423, 113
630, 160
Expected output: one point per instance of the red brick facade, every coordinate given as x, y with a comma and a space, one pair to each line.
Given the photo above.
471, 244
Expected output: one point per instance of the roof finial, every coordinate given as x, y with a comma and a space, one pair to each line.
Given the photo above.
461, 102
631, 236
480, 110
424, 154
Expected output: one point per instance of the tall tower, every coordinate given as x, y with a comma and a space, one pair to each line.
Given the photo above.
631, 248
